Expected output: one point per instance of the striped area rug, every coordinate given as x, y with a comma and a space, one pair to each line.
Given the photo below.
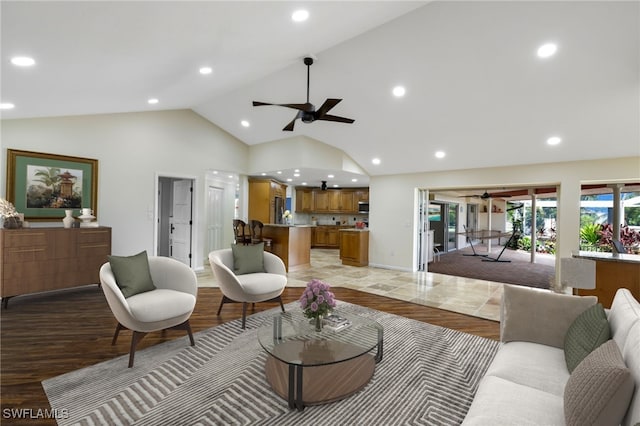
428, 376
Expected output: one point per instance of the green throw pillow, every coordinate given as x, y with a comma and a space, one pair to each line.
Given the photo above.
248, 259
132, 273
588, 331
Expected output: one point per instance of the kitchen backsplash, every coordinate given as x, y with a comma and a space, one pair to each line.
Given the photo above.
329, 219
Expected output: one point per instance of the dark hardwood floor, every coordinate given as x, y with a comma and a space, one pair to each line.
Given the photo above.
45, 335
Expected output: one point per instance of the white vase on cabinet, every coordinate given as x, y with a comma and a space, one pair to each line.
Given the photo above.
68, 219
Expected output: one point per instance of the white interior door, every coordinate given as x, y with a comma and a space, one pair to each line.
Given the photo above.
215, 218
181, 221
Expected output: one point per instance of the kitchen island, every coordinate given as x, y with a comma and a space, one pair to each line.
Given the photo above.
291, 243
354, 247
613, 271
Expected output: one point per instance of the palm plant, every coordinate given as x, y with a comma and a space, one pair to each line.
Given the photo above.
590, 235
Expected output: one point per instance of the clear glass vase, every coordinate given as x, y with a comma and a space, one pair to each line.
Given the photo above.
318, 323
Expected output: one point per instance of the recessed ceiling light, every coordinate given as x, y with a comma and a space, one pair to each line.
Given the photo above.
304, 183
399, 91
554, 140
330, 176
263, 174
206, 70
335, 185
300, 15
376, 161
245, 123
279, 172
296, 175
152, 101
547, 50
289, 180
440, 154
296, 171
6, 105
23, 61
354, 180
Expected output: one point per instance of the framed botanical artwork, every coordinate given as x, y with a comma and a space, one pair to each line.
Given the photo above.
42, 186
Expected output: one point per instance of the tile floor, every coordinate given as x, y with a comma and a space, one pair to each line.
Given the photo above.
464, 295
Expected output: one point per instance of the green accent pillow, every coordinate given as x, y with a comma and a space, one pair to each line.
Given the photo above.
132, 273
248, 259
588, 331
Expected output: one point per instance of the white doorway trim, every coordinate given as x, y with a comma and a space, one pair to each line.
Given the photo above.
196, 219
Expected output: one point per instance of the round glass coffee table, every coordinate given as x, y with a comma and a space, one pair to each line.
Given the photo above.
308, 367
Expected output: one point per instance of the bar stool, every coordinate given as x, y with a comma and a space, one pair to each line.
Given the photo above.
239, 234
256, 234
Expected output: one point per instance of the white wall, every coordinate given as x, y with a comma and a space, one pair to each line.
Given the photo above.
392, 200
131, 150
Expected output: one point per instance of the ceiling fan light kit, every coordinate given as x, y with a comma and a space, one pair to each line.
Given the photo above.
307, 112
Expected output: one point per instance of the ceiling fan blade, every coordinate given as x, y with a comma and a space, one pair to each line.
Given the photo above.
301, 107
326, 106
289, 127
328, 117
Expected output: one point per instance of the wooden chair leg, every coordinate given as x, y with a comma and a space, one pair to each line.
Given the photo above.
222, 302
188, 326
115, 335
244, 314
135, 338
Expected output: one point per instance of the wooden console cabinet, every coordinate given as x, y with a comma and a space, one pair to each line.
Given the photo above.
43, 259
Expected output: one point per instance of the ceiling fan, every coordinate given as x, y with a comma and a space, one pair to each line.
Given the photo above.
486, 196
307, 112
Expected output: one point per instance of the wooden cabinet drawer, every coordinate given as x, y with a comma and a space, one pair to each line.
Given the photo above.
18, 238
94, 236
14, 255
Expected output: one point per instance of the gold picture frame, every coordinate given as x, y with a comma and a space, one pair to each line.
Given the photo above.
42, 186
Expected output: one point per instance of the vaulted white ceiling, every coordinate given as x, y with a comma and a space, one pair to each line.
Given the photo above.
475, 87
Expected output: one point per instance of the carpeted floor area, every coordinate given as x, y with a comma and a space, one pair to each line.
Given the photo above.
428, 376
518, 271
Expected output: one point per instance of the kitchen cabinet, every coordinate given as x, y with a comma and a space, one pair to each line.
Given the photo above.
43, 259
354, 247
320, 201
304, 200
326, 236
339, 201
262, 199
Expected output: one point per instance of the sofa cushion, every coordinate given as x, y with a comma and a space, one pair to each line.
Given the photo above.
501, 402
248, 259
533, 365
132, 273
631, 355
589, 330
539, 316
624, 312
599, 389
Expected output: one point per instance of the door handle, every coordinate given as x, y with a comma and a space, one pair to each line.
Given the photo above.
172, 228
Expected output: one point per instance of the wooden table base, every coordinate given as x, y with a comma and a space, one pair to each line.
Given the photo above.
320, 384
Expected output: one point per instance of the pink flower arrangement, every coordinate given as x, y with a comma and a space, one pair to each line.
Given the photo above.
317, 299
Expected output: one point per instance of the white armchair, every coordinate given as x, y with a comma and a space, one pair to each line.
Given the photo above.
169, 306
248, 288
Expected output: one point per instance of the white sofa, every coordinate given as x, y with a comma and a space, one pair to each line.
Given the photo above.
528, 382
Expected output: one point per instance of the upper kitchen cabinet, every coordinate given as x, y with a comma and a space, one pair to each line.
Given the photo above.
315, 200
266, 198
304, 200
